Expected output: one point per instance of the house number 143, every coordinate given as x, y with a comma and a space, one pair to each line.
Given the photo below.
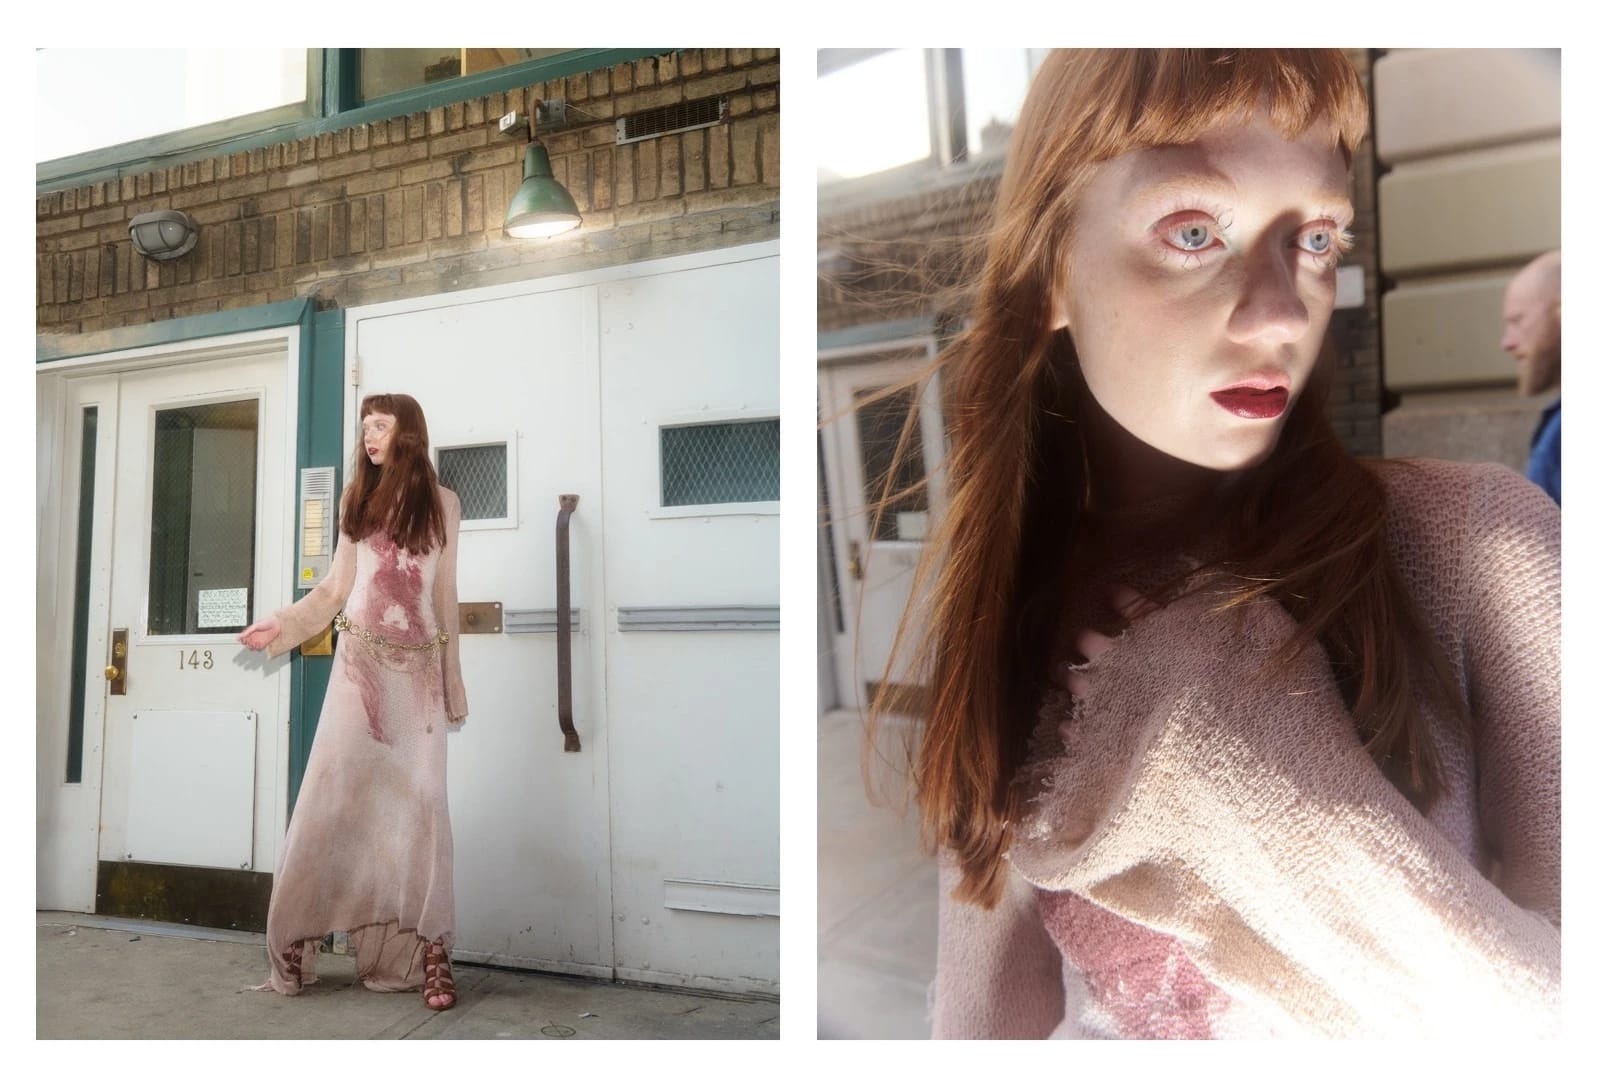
194, 659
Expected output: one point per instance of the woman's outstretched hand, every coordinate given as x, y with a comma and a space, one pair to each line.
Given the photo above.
1130, 605
259, 636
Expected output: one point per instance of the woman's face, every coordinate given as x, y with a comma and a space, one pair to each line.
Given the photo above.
1200, 281
377, 435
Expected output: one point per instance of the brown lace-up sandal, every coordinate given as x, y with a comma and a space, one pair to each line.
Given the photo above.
439, 991
291, 957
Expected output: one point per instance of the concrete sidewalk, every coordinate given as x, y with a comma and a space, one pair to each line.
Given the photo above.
877, 899
104, 978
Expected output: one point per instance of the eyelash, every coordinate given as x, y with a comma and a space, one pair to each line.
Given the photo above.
1343, 240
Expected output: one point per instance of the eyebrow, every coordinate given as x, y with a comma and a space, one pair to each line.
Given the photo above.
1207, 182
1217, 185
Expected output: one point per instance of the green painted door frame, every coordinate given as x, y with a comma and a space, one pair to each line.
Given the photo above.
319, 442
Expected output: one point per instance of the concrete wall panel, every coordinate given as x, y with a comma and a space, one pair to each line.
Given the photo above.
1432, 101
1445, 332
1500, 205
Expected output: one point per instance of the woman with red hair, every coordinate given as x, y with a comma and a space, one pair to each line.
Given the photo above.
369, 849
1230, 733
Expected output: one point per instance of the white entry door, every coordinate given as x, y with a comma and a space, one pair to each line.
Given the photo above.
874, 563
510, 390
172, 750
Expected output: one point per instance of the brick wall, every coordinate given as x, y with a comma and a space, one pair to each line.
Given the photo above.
894, 257
1356, 402
415, 205
900, 256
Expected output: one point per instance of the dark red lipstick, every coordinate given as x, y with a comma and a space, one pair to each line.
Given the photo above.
1250, 401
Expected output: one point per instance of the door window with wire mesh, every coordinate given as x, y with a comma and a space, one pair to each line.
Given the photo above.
899, 489
719, 463
478, 475
203, 518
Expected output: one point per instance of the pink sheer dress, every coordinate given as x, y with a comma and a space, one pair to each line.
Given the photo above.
369, 850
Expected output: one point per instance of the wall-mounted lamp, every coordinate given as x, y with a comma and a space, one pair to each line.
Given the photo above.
163, 234
541, 207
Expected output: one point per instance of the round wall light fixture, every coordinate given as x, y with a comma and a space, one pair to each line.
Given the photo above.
163, 234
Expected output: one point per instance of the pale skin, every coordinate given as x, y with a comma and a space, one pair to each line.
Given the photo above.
1192, 269
1532, 317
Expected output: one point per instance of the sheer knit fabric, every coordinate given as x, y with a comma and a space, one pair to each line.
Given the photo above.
369, 849
1209, 852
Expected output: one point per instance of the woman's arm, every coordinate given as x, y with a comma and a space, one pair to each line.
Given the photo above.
446, 609
998, 974
1513, 658
312, 613
1236, 810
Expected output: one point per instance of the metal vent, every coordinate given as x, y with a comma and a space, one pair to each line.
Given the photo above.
670, 119
316, 482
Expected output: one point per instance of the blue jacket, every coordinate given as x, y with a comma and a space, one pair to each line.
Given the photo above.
1544, 460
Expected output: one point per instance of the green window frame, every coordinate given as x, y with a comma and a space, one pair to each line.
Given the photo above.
333, 94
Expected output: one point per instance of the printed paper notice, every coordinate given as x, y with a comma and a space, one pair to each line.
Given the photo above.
223, 608
911, 526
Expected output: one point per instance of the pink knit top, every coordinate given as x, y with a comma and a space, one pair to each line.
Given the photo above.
1210, 853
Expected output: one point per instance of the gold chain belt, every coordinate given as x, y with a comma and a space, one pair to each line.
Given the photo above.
343, 623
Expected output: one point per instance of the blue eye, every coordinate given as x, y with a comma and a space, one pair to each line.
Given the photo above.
1317, 242
1190, 232
1191, 236
1324, 239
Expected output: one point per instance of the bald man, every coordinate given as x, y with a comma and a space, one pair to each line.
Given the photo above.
1533, 335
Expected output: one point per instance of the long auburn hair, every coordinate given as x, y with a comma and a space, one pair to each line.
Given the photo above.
1305, 528
401, 498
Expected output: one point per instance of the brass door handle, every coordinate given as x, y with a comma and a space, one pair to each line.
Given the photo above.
117, 671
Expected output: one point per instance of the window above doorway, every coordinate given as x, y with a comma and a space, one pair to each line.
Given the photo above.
902, 117
106, 113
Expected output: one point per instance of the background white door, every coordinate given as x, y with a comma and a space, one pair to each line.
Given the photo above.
200, 547
874, 567
194, 462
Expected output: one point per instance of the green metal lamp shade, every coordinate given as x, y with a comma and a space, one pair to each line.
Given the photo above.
541, 206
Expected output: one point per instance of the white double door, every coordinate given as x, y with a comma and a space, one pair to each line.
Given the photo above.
651, 853
159, 742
